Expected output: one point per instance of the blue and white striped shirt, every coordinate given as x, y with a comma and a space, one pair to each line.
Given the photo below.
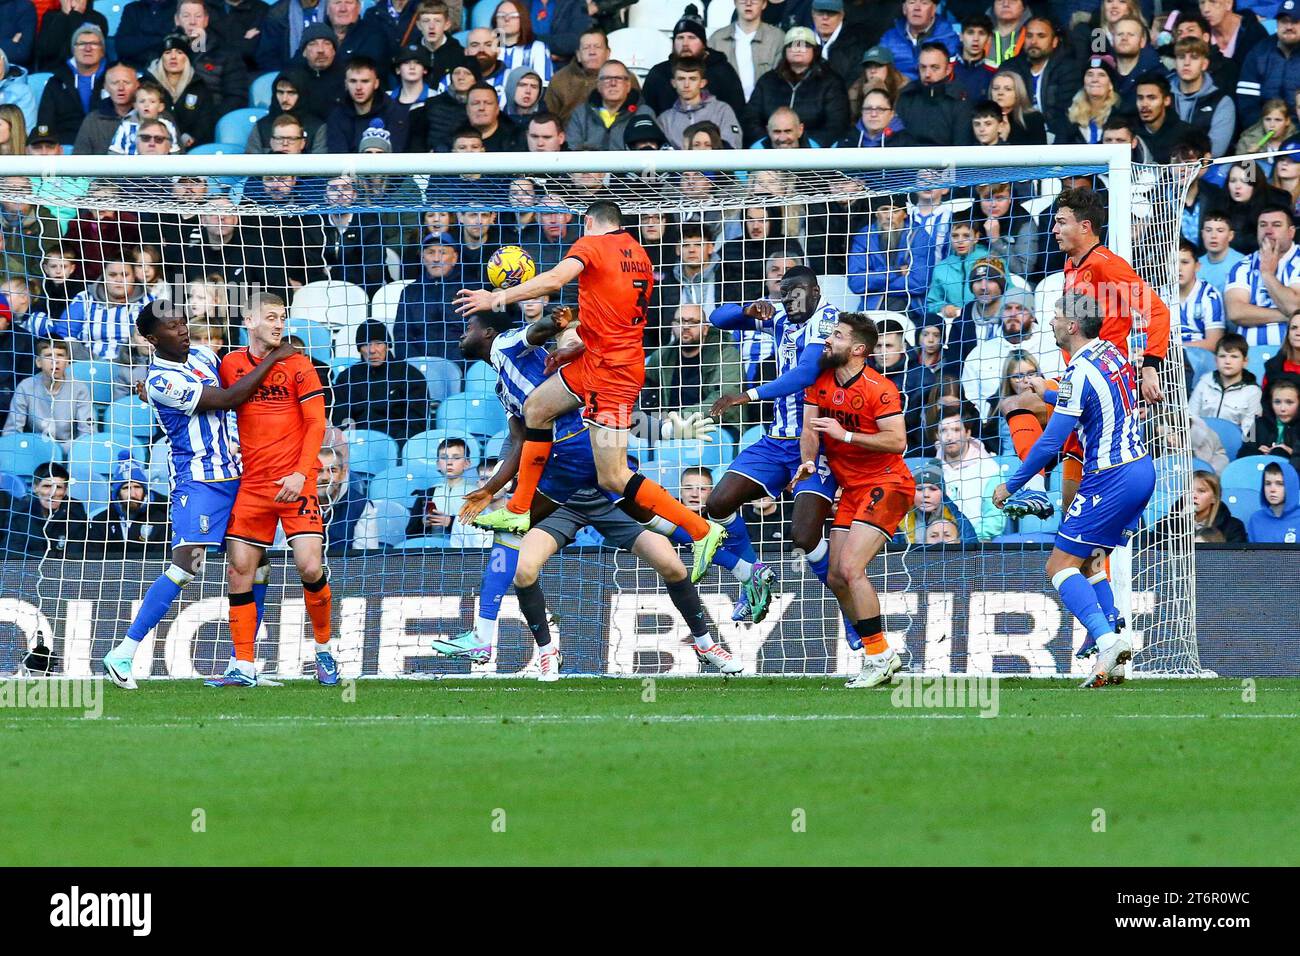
1246, 275
1099, 389
1202, 312
938, 223
202, 443
535, 57
521, 368
792, 339
103, 327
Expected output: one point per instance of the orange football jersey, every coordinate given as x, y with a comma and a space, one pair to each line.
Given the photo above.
858, 405
1122, 292
274, 425
613, 295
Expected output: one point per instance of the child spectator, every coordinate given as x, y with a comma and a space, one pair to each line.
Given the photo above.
62, 282
1209, 510
1286, 363
933, 506
1200, 306
1277, 431
1273, 128
1278, 519
696, 484
49, 403
969, 471
147, 261
1217, 235
435, 509
929, 343
1231, 393
150, 104
942, 531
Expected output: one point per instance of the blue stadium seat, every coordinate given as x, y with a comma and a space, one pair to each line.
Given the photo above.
317, 338
481, 379
112, 11
462, 37
1229, 433
720, 452
22, 452
403, 483
339, 362
370, 452
1056, 477
235, 126
93, 456
426, 542
423, 447
675, 455
750, 435
1169, 488
12, 485
1200, 464
98, 377
916, 464
480, 415
1247, 472
1031, 525
1035, 537
1242, 502
36, 83
443, 376
481, 16
262, 92
129, 416
667, 477
496, 444
1259, 355
218, 149
1007, 465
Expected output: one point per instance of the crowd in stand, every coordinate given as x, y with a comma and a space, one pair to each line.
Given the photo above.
959, 267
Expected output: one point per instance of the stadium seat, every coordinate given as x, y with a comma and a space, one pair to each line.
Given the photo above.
481, 15
675, 455
720, 452
235, 126
1031, 525
112, 12
1259, 355
1007, 465
916, 464
462, 37
1248, 472
1200, 464
94, 493
1229, 433
1242, 502
496, 444
158, 471
317, 338
480, 415
98, 376
639, 49
93, 456
423, 447
12, 485
909, 327
383, 305
1045, 296
836, 291
22, 452
262, 92
370, 452
390, 517
667, 477
717, 16
481, 379
750, 435
338, 363
443, 376
400, 485
129, 416
218, 149
1169, 488
425, 542
1025, 537
331, 303
36, 83
656, 16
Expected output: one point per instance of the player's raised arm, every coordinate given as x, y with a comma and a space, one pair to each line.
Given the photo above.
215, 398
742, 318
547, 283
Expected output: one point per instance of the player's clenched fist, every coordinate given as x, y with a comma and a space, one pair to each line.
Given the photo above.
762, 310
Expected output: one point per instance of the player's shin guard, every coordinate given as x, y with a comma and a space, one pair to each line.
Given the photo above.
532, 604
1081, 599
819, 562
687, 601
1025, 431
654, 497
497, 576
157, 600
243, 626
318, 599
1105, 596
872, 636
261, 582
537, 448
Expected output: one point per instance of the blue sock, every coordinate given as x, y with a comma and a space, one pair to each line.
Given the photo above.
1105, 597
497, 578
1079, 596
156, 601
722, 558
259, 598
821, 568
737, 540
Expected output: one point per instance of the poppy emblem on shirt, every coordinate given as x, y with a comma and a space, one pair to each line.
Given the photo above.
838, 397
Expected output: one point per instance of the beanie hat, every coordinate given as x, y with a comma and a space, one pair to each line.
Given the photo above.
376, 137
691, 23
372, 330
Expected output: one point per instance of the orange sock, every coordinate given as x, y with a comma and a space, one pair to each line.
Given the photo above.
872, 632
243, 625
536, 450
318, 599
656, 498
1025, 430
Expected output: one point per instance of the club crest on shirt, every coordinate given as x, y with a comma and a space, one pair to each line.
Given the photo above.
203, 523
1064, 391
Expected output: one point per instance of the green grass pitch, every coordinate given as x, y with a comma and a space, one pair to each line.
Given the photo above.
752, 771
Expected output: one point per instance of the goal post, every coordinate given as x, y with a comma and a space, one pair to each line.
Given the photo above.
348, 241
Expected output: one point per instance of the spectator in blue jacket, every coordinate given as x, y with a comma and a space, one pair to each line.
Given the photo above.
145, 25
74, 88
18, 31
919, 24
890, 261
426, 322
1272, 69
15, 91
1278, 519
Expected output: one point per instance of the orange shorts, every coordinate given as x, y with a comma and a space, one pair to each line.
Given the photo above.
608, 392
254, 516
880, 503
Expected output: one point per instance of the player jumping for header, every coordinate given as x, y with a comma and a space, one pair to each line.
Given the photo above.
280, 433
854, 415
1097, 401
615, 279
183, 384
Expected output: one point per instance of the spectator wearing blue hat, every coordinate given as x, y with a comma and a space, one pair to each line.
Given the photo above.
135, 523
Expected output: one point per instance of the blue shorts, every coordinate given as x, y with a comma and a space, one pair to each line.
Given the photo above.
201, 510
1107, 509
772, 462
571, 467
